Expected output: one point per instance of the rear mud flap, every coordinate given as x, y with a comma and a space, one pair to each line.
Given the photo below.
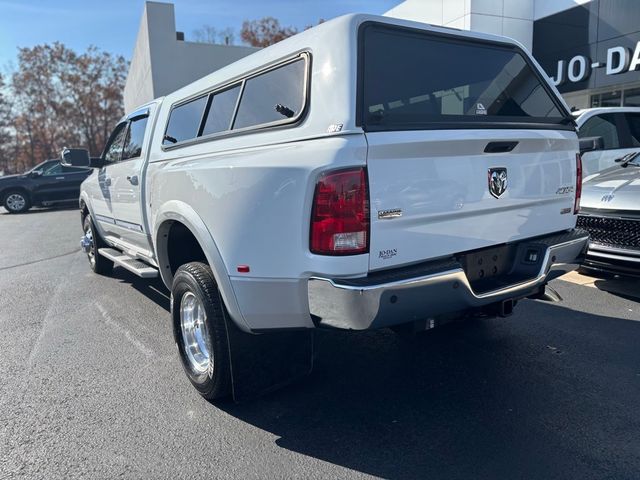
262, 363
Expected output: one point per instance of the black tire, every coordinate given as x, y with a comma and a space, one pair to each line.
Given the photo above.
98, 263
197, 280
16, 201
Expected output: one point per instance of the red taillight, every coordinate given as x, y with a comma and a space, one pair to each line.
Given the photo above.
340, 213
576, 205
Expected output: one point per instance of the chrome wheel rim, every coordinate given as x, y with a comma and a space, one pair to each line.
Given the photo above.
15, 202
193, 323
89, 235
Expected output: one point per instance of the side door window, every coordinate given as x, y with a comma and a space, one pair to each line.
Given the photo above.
113, 150
75, 170
602, 126
52, 169
47, 186
135, 138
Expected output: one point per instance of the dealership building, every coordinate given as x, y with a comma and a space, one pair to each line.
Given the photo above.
589, 49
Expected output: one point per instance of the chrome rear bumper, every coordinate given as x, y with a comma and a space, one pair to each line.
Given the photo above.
441, 287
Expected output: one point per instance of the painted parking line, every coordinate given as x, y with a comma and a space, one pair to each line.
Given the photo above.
579, 279
628, 287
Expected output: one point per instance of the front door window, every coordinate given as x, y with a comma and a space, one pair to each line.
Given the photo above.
113, 150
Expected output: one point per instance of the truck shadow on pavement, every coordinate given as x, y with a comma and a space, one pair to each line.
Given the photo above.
493, 398
152, 288
624, 287
548, 393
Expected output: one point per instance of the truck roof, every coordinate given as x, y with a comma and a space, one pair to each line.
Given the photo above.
332, 35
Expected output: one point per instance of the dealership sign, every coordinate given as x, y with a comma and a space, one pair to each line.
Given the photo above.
619, 60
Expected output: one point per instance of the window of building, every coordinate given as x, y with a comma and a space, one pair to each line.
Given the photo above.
221, 111
272, 96
632, 97
184, 121
608, 99
625, 98
135, 137
611, 99
602, 126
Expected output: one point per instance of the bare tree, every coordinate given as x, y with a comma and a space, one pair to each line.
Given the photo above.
61, 98
322, 20
265, 32
5, 129
205, 34
209, 34
227, 36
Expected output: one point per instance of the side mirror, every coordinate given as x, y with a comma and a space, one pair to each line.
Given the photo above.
96, 162
35, 173
589, 144
75, 157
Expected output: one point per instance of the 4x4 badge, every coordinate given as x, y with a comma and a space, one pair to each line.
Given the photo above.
497, 181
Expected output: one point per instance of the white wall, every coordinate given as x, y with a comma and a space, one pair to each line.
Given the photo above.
139, 85
544, 8
511, 18
161, 64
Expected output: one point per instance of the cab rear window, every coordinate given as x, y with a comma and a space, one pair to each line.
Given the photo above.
412, 80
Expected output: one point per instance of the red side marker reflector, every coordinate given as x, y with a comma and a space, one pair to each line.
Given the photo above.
244, 268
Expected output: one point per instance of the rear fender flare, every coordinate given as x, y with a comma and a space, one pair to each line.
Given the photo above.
177, 211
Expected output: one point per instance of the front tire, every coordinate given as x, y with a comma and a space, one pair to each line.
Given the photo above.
200, 332
16, 201
98, 263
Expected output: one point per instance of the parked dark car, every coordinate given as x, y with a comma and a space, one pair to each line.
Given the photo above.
46, 184
610, 211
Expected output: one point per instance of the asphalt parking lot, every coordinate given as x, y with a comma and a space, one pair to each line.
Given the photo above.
92, 386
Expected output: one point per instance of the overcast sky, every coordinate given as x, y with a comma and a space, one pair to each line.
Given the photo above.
113, 24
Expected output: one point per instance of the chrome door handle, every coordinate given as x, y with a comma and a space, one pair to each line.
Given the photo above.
59, 178
133, 179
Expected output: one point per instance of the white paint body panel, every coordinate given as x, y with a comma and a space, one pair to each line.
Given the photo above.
439, 178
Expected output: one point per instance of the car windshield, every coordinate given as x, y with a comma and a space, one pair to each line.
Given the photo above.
635, 160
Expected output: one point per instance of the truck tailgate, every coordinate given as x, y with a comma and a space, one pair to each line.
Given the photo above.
430, 192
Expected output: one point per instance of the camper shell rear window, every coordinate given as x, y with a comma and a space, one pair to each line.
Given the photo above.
410, 79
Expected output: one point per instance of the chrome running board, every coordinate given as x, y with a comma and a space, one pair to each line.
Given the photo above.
135, 266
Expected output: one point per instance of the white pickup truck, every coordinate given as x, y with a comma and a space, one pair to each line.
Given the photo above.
367, 173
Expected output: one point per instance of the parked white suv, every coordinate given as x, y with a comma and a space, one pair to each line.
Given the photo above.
619, 128
369, 172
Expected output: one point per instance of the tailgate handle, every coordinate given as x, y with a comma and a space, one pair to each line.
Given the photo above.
500, 147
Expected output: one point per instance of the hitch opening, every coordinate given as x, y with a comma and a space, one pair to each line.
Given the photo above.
505, 308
